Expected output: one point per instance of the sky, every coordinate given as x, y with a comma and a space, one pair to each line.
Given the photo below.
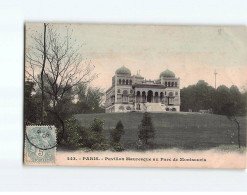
192, 52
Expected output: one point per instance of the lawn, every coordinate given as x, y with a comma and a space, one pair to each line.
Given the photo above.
179, 130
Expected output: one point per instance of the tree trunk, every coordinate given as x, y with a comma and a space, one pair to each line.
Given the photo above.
42, 77
238, 134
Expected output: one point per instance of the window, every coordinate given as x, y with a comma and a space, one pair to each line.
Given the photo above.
128, 108
170, 94
123, 82
125, 92
127, 82
171, 100
119, 81
130, 82
118, 91
121, 108
125, 98
172, 84
165, 83
176, 84
176, 93
168, 84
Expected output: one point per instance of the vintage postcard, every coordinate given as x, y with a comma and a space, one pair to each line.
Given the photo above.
135, 95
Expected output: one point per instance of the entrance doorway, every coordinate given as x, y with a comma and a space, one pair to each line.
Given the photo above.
150, 96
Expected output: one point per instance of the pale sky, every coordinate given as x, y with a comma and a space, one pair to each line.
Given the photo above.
191, 52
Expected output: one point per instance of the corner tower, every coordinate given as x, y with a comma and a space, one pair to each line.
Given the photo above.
172, 91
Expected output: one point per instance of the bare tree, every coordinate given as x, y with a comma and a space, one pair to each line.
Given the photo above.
55, 64
36, 56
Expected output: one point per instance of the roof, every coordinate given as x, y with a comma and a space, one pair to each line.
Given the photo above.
167, 73
123, 70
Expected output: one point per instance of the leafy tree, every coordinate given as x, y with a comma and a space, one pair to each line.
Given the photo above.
31, 103
117, 133
97, 125
230, 110
146, 129
95, 138
89, 99
73, 136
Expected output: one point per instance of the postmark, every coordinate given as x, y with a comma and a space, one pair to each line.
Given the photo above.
40, 144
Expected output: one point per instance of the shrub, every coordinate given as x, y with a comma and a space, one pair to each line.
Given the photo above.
117, 133
146, 129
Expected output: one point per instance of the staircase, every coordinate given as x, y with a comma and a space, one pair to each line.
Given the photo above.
154, 107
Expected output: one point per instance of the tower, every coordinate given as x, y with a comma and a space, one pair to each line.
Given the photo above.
215, 73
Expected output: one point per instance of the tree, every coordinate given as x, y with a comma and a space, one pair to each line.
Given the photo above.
146, 129
230, 111
55, 64
117, 133
38, 57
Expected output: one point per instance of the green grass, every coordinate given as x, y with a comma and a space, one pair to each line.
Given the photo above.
174, 130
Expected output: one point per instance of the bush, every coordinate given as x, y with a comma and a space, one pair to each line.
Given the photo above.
72, 138
97, 125
146, 129
117, 133
117, 147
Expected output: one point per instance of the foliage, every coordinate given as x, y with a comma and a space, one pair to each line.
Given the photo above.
89, 99
146, 129
117, 132
203, 97
73, 135
117, 147
97, 125
77, 137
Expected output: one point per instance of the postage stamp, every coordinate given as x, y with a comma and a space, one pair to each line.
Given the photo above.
40, 145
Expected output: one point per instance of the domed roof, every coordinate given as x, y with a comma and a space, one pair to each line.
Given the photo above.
138, 76
123, 70
167, 73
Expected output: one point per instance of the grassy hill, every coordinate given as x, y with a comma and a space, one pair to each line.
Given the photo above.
181, 130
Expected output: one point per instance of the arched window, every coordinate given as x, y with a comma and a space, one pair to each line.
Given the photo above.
125, 96
176, 93
123, 82
138, 98
162, 97
130, 82
156, 97
172, 84
176, 84
125, 92
143, 97
127, 82
168, 84
121, 108
165, 83
119, 81
170, 94
118, 91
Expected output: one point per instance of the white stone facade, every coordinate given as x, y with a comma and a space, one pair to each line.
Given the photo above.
132, 93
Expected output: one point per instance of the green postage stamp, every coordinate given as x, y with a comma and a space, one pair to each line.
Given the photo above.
40, 145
